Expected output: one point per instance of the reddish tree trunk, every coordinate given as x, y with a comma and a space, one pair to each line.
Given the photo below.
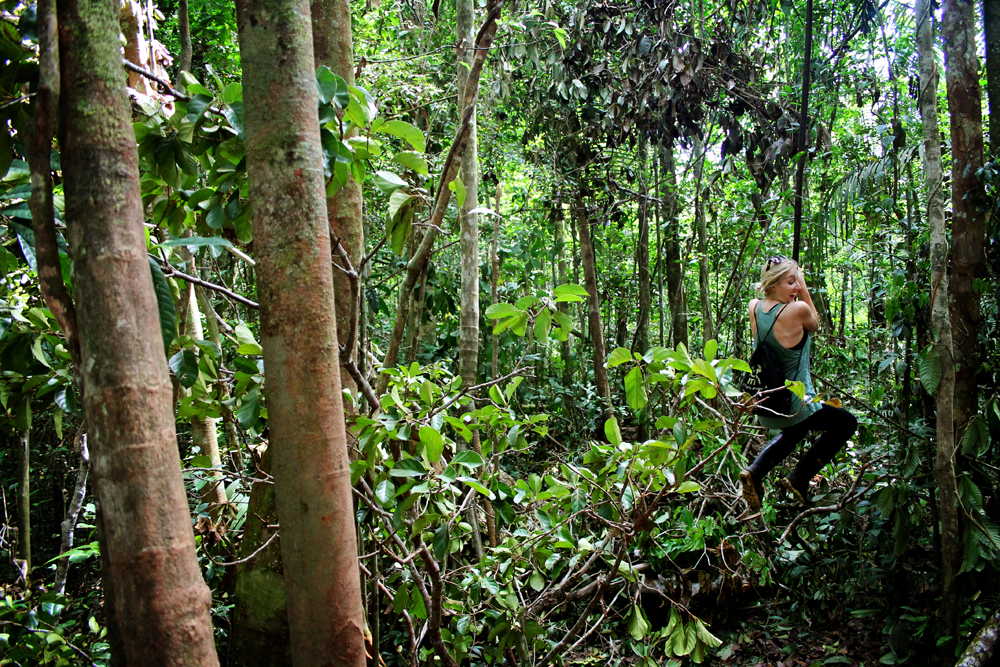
299, 334
161, 601
968, 197
593, 307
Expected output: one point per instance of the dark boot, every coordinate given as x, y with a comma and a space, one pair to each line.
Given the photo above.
773, 453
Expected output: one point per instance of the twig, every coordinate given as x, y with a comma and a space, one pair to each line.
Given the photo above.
248, 558
170, 272
129, 65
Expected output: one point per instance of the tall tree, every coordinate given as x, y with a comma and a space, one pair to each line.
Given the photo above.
991, 33
676, 295
563, 277
593, 306
642, 250
968, 198
184, 28
333, 46
940, 320
299, 334
701, 229
160, 600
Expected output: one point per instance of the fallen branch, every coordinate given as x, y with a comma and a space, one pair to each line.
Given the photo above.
982, 648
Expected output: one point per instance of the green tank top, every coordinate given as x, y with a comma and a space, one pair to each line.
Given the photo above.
796, 366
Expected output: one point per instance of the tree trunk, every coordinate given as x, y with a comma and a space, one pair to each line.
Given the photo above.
333, 46
642, 250
299, 334
260, 614
983, 647
675, 268
184, 30
468, 222
495, 277
940, 322
159, 597
800, 168
991, 22
68, 525
561, 279
593, 306
228, 419
659, 248
422, 254
204, 430
24, 502
701, 222
968, 198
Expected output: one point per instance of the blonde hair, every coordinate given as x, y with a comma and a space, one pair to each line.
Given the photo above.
773, 272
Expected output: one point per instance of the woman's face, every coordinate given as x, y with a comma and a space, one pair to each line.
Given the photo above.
787, 289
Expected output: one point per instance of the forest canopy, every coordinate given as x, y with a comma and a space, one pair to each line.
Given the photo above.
402, 333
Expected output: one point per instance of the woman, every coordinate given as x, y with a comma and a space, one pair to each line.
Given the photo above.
787, 316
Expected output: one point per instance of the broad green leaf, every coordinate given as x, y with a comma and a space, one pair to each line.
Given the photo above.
638, 625
635, 389
164, 304
433, 443
612, 431
688, 487
468, 458
406, 132
619, 356
519, 324
388, 182
477, 485
702, 367
458, 187
537, 581
796, 388
542, 322
930, 369
385, 492
440, 542
570, 288
331, 88
184, 364
408, 468
411, 160
739, 365
711, 347
197, 242
498, 310
512, 386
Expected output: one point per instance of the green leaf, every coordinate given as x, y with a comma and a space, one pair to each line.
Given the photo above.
475, 484
711, 347
440, 542
702, 367
468, 458
433, 443
406, 132
6, 157
249, 411
411, 160
184, 364
569, 293
400, 219
498, 310
619, 356
930, 369
385, 492
512, 387
331, 88
164, 304
408, 468
542, 322
612, 431
688, 487
638, 625
248, 344
537, 581
635, 389
388, 182
458, 187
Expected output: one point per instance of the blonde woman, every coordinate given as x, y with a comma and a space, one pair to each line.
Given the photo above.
786, 316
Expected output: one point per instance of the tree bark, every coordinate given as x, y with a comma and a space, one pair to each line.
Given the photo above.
940, 322
991, 23
983, 647
562, 267
968, 198
495, 277
701, 223
675, 268
260, 614
593, 307
800, 148
151, 572
68, 525
24, 501
659, 249
642, 250
184, 28
333, 46
468, 338
299, 334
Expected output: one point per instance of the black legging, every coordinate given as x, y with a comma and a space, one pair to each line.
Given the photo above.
837, 424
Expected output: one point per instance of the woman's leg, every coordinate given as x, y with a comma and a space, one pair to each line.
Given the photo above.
838, 425
773, 453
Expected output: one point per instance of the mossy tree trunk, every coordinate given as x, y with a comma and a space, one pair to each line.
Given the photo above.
150, 569
299, 334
